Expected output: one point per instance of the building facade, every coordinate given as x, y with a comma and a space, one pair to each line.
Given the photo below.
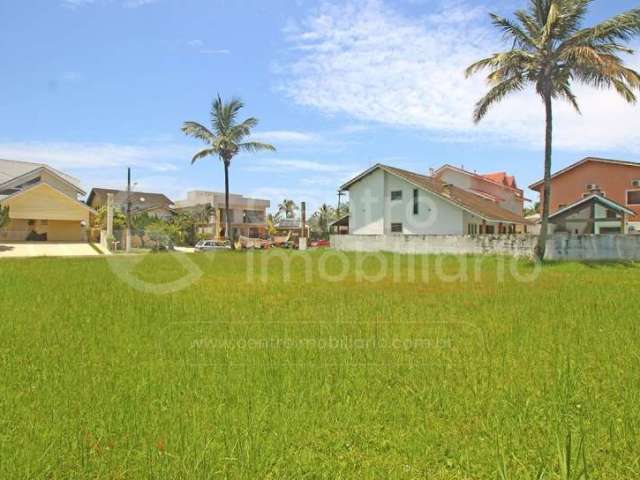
155, 204
613, 179
248, 216
43, 204
386, 200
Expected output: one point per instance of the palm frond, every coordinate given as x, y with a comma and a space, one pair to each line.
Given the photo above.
238, 132
512, 31
620, 27
196, 130
496, 94
256, 147
204, 153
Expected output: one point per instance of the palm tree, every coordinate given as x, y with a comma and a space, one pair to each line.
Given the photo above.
225, 140
550, 51
287, 208
323, 218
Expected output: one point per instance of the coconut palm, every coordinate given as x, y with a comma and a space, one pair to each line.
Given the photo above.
550, 50
225, 140
322, 218
287, 208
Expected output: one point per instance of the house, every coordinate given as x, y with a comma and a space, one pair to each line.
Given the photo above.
499, 187
248, 215
155, 204
616, 180
594, 214
388, 200
291, 226
43, 203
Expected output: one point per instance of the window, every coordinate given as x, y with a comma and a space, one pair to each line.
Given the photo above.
396, 195
633, 197
472, 229
611, 214
490, 229
396, 228
415, 202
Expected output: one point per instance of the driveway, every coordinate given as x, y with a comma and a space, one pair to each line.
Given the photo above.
46, 249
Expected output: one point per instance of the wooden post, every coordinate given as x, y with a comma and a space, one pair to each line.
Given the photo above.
622, 229
302, 241
483, 227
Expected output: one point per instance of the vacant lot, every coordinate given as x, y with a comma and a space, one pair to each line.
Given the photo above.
249, 371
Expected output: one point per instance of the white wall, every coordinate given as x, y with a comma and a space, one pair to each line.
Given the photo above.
372, 212
366, 205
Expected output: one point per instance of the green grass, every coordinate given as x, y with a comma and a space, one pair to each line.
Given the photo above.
445, 378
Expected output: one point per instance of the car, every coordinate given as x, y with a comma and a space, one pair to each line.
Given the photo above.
210, 245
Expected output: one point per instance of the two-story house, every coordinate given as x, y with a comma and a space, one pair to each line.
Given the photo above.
43, 203
248, 216
155, 204
615, 180
498, 187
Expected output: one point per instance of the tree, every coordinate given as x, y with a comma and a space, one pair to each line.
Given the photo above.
4, 216
140, 223
321, 220
225, 140
119, 219
288, 208
550, 51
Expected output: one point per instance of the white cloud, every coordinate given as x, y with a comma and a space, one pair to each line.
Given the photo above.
365, 59
74, 4
287, 165
286, 136
158, 157
201, 47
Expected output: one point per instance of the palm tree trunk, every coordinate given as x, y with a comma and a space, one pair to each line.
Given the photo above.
226, 204
546, 196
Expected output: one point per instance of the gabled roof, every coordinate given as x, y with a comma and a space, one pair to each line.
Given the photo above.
16, 181
502, 178
475, 204
607, 202
46, 185
98, 196
499, 178
10, 169
538, 184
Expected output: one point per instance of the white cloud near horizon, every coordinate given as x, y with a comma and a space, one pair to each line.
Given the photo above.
289, 165
365, 59
286, 136
74, 4
159, 157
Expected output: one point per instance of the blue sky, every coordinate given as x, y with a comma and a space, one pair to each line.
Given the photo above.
94, 86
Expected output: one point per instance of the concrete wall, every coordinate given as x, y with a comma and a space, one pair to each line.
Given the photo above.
593, 247
514, 245
559, 246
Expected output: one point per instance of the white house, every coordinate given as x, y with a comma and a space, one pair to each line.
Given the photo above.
388, 200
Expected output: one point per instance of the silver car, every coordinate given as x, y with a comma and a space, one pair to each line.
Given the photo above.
210, 245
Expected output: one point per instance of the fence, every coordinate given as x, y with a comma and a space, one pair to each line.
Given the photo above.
559, 246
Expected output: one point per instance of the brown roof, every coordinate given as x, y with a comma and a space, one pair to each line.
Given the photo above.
98, 197
538, 184
466, 200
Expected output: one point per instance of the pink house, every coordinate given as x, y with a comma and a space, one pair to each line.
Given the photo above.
498, 187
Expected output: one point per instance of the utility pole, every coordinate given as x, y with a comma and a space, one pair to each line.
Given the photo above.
340, 195
128, 244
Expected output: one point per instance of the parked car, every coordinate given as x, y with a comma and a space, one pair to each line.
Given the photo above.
209, 245
320, 243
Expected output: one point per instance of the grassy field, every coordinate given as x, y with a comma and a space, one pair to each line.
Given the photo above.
246, 373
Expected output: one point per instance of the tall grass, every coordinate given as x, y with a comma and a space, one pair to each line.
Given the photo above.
441, 377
